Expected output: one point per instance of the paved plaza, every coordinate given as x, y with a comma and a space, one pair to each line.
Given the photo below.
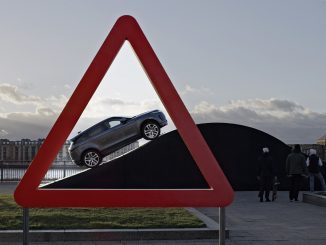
249, 222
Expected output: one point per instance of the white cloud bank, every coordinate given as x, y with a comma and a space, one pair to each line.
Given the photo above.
284, 119
17, 123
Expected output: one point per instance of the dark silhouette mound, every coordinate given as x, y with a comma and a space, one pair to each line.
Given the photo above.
166, 163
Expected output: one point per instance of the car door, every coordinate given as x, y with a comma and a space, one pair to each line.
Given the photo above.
129, 129
98, 137
111, 137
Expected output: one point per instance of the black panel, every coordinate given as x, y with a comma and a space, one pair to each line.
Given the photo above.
166, 163
237, 149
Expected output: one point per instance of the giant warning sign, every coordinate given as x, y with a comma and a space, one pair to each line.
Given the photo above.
219, 193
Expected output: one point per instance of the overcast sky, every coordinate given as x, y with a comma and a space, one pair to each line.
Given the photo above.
255, 63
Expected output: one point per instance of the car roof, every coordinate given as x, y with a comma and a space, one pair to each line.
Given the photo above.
88, 129
109, 118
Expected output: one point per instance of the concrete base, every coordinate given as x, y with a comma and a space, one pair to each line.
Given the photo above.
109, 235
313, 198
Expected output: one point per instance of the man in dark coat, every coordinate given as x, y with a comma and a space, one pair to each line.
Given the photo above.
265, 175
296, 169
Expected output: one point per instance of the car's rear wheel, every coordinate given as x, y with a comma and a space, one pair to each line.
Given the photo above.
91, 158
151, 130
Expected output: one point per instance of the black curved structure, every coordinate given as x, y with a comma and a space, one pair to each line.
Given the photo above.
166, 163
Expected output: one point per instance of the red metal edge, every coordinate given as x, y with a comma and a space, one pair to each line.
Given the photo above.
220, 194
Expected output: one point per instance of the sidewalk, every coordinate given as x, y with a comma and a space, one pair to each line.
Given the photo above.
7, 187
279, 222
250, 222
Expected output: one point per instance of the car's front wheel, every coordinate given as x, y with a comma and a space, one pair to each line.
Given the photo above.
151, 130
91, 158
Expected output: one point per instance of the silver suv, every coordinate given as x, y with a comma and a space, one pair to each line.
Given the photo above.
90, 146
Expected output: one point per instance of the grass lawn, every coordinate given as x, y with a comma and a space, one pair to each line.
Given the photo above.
95, 218
323, 193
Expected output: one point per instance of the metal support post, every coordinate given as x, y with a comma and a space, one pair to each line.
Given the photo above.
64, 169
1, 169
25, 226
221, 240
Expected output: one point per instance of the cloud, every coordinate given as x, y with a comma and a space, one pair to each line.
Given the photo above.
9, 93
33, 123
200, 91
105, 107
29, 116
67, 86
3, 132
116, 102
284, 119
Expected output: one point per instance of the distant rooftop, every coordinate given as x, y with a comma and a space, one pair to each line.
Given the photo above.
322, 138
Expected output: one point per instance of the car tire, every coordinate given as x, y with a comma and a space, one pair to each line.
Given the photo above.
150, 130
91, 158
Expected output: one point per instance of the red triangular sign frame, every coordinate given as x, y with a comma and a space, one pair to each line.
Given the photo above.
220, 193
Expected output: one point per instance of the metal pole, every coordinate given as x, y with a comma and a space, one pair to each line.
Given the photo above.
64, 169
221, 240
1, 166
25, 226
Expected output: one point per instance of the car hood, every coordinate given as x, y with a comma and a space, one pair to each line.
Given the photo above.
75, 138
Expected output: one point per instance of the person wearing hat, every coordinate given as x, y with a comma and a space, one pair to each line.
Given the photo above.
265, 174
314, 163
296, 169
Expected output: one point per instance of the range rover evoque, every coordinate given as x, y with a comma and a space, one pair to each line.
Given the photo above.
90, 146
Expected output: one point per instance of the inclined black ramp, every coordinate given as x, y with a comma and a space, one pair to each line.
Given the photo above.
166, 163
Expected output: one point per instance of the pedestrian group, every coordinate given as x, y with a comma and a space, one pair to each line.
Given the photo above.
298, 167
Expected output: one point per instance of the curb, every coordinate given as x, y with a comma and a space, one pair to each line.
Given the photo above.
211, 231
313, 198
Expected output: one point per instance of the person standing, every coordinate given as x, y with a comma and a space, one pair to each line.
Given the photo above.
265, 174
296, 169
314, 163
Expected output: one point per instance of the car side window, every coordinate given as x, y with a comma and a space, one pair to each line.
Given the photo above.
114, 123
107, 124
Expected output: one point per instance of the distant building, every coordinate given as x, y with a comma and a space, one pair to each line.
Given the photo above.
24, 151
321, 140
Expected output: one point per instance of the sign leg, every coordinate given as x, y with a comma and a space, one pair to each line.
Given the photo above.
221, 239
25, 226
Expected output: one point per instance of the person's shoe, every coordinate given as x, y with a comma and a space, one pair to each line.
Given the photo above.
291, 200
296, 200
267, 200
261, 200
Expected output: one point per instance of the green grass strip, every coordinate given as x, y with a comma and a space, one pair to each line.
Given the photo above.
322, 193
95, 218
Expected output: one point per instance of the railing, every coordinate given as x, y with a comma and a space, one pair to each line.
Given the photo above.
14, 171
